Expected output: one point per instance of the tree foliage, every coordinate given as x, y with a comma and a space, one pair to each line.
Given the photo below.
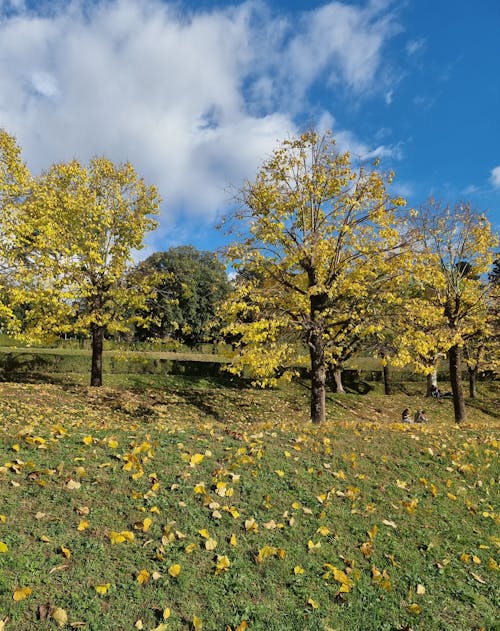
191, 284
449, 303
80, 225
320, 240
14, 185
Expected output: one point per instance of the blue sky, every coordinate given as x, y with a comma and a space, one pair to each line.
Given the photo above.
197, 94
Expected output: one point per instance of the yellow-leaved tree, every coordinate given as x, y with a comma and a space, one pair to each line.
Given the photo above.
449, 300
319, 238
80, 225
14, 185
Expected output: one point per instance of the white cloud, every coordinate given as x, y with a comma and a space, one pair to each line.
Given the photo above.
495, 177
196, 101
415, 47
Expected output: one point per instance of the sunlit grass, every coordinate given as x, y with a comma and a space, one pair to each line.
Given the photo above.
363, 523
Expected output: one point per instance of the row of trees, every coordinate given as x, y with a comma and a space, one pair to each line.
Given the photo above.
332, 262
327, 263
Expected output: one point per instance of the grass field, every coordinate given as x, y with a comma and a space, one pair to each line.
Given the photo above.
196, 506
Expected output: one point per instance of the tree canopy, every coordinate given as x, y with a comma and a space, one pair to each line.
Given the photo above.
319, 235
79, 225
190, 286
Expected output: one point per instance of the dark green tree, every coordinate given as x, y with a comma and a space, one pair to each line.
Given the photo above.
191, 285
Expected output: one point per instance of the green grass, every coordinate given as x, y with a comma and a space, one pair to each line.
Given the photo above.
430, 490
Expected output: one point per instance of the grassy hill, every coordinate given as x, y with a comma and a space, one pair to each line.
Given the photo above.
200, 506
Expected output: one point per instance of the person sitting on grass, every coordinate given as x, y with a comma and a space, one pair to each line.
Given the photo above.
435, 392
420, 417
405, 416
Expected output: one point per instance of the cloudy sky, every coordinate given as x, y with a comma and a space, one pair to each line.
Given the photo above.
197, 94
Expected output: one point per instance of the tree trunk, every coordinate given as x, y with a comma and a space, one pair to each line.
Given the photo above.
318, 378
431, 382
387, 379
472, 382
97, 345
337, 380
456, 384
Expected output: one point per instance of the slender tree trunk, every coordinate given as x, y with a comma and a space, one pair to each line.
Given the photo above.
318, 378
387, 379
456, 383
472, 382
432, 379
337, 380
97, 345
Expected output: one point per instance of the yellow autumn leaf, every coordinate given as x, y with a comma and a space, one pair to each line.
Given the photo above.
174, 570
242, 626
66, 551
146, 524
420, 589
102, 590
233, 540
83, 525
323, 530
414, 609
196, 459
311, 546
222, 564
313, 603
128, 535
161, 627
210, 544
59, 615
22, 593
3, 547
366, 549
372, 533
204, 533
191, 547
87, 440
166, 613
251, 525
298, 570
112, 443
116, 537
197, 624
143, 577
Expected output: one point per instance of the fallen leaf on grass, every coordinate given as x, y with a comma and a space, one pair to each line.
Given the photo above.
102, 590
83, 525
174, 570
222, 565
22, 593
415, 609
66, 551
143, 577
59, 615
312, 603
3, 547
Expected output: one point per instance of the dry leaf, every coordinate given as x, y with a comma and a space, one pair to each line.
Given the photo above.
59, 615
